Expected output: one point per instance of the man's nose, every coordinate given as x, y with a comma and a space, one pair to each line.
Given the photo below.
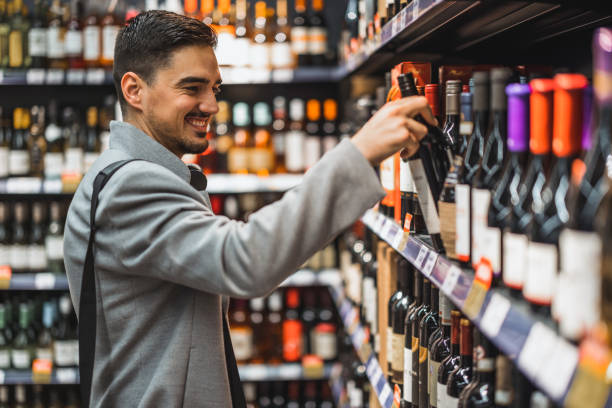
209, 104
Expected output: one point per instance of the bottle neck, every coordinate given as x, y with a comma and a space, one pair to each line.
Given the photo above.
466, 360
481, 119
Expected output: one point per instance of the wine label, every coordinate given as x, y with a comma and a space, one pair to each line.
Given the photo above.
109, 35
426, 201
89, 159
462, 217
480, 208
325, 345
18, 256
452, 402
242, 341
225, 46
406, 183
407, 394
515, 259
55, 43
432, 382
541, 273
241, 52
397, 363
294, 154
260, 55
37, 257
15, 48
74, 43
91, 51
386, 174
21, 359
54, 247
492, 247
73, 160
299, 40
19, 163
281, 55
37, 38
440, 395
448, 230
5, 359
63, 353
238, 159
368, 289
312, 151
578, 297
261, 159
317, 40
4, 162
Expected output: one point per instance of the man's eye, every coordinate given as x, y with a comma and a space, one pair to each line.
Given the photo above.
192, 89
217, 91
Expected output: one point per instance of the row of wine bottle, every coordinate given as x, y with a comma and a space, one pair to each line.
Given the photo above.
513, 183
427, 348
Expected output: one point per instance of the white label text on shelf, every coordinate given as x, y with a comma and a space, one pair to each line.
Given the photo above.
494, 316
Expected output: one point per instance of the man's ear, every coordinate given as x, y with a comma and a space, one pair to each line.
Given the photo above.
132, 87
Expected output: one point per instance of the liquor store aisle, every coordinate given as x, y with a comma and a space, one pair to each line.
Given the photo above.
479, 280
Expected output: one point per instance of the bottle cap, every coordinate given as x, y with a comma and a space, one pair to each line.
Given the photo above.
567, 117
587, 119
602, 64
241, 114
541, 114
330, 110
296, 110
261, 114
292, 299
313, 110
518, 117
407, 85
499, 79
481, 91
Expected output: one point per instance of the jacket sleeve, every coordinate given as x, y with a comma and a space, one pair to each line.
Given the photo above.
158, 226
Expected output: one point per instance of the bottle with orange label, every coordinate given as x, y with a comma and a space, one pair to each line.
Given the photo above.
312, 144
226, 34
191, 9
242, 41
550, 207
206, 11
330, 115
292, 327
317, 34
300, 34
261, 157
281, 55
241, 331
261, 44
238, 155
110, 29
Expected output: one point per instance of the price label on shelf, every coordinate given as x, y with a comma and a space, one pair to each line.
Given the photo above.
55, 77
95, 76
385, 393
2, 376
376, 376
555, 375
430, 263
253, 372
379, 223
421, 257
66, 375
35, 76
388, 231
451, 279
290, 371
399, 241
494, 315
44, 281
75, 76
537, 349
41, 371
282, 75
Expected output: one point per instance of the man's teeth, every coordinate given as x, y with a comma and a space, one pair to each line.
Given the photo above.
197, 122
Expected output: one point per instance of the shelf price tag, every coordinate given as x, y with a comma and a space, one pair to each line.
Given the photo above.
75, 76
430, 263
557, 372
290, 371
95, 76
387, 231
537, 349
451, 280
385, 394
5, 276
421, 257
55, 77
399, 238
35, 76
494, 315
44, 281
282, 75
41, 371
66, 375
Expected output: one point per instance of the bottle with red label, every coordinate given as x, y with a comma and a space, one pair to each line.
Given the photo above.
292, 327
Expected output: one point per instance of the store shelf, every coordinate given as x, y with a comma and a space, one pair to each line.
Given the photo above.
231, 76
283, 372
58, 376
26, 187
531, 342
34, 281
436, 28
350, 318
309, 277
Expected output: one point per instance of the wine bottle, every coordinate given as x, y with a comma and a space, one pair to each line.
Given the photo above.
5, 343
550, 209
427, 326
19, 159
63, 353
410, 348
274, 327
451, 362
462, 375
400, 308
481, 392
37, 257
293, 348
22, 351
294, 154
425, 168
299, 34
419, 314
37, 145
73, 45
446, 204
507, 187
580, 247
18, 253
440, 349
54, 157
312, 144
411, 217
395, 297
37, 36
317, 34
44, 345
515, 236
260, 47
471, 164
491, 163
6, 135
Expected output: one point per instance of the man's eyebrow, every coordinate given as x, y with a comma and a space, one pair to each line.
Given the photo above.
193, 79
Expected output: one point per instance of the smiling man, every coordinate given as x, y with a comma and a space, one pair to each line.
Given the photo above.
164, 264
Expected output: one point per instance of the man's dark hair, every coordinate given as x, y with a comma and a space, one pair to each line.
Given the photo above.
148, 41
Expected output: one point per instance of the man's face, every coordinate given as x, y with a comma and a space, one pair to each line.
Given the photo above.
178, 106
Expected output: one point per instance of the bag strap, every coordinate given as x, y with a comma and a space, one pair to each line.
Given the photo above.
87, 301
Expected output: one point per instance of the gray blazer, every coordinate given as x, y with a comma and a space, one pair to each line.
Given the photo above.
164, 264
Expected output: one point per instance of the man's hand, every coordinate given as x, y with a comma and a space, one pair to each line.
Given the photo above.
392, 128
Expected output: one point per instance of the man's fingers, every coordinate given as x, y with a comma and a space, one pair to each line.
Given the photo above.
417, 129
413, 105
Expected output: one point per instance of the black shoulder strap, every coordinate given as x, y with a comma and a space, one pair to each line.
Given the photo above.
87, 301
88, 316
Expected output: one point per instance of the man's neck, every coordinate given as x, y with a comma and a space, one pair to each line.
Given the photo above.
138, 122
